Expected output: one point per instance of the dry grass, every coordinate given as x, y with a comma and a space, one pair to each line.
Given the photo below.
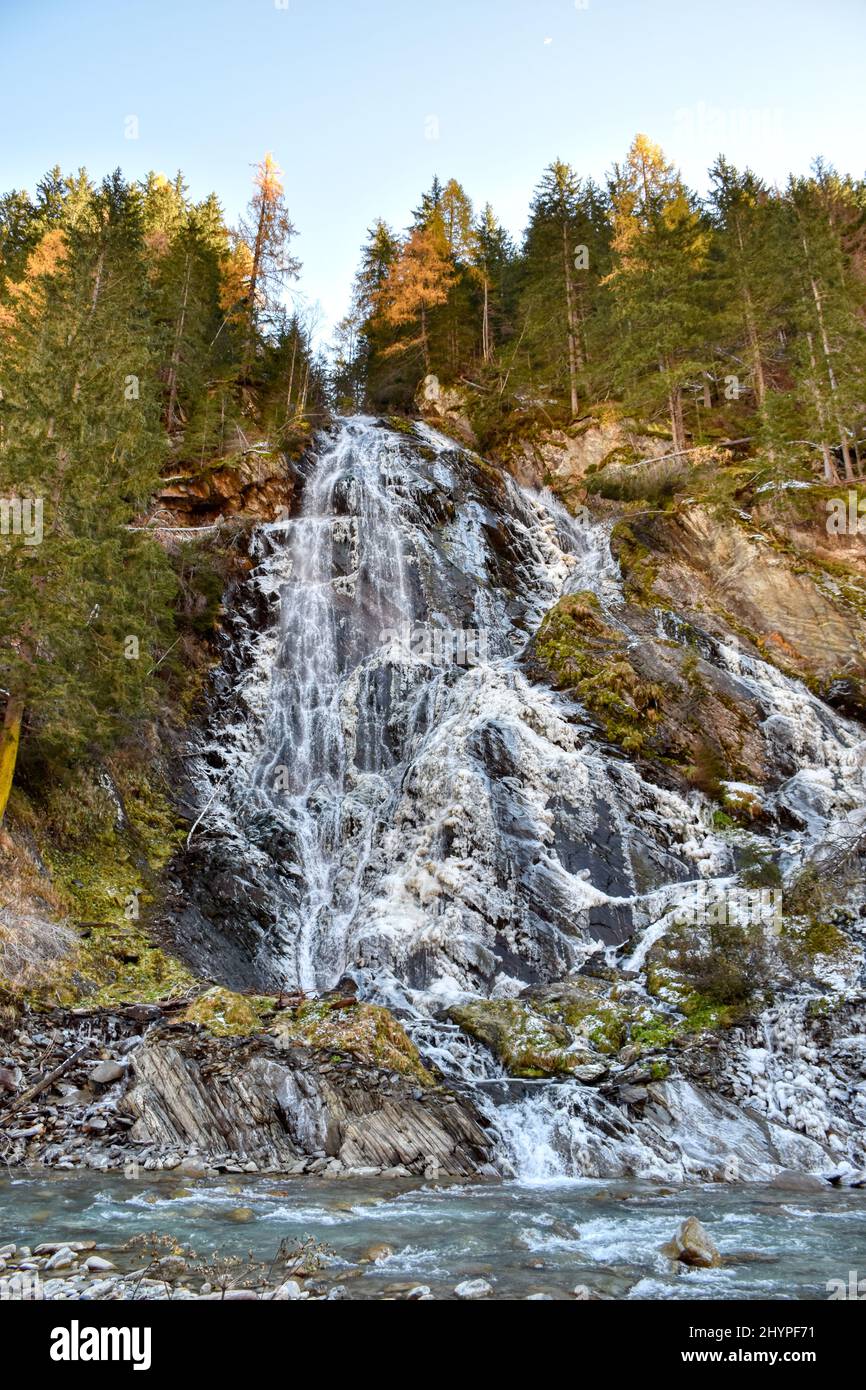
34, 936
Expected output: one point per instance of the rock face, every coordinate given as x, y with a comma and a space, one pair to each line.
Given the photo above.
390, 789
564, 457
257, 482
447, 407
273, 1107
723, 575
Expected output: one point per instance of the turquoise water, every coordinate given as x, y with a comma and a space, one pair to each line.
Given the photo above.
524, 1239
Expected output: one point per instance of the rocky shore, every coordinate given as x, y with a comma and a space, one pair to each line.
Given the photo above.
109, 1090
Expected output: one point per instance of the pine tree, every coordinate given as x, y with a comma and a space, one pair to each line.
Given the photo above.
829, 315
416, 283
82, 610
660, 249
266, 233
493, 264
563, 257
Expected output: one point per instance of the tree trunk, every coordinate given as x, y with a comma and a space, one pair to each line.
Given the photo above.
258, 250
678, 431
485, 324
10, 736
830, 473
572, 325
291, 378
825, 344
424, 344
175, 356
752, 330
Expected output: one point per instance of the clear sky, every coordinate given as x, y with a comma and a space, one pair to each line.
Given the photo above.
363, 101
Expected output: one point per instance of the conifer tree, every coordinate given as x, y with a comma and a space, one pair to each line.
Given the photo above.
266, 233
660, 248
493, 264
84, 606
416, 283
561, 267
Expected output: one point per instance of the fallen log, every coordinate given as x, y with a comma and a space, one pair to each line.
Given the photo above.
43, 1084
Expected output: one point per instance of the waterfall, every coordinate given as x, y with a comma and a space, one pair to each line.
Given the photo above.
386, 794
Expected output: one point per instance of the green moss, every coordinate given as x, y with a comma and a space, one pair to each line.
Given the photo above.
228, 1015
816, 938
706, 1015
401, 423
659, 1032
365, 1031
600, 1020
103, 875
639, 567
582, 653
527, 1043
111, 965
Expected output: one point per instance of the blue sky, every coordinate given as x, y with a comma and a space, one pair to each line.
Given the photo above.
362, 101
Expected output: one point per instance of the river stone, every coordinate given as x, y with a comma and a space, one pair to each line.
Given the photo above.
793, 1181
62, 1259
693, 1246
374, 1254
106, 1072
289, 1291
473, 1288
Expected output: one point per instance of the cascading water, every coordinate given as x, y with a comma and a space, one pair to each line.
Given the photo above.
385, 794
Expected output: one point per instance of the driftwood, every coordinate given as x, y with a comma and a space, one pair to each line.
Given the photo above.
43, 1085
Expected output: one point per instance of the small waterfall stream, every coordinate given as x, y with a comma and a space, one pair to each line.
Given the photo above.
395, 800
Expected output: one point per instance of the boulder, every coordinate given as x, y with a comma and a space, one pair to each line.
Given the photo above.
473, 1288
693, 1246
107, 1072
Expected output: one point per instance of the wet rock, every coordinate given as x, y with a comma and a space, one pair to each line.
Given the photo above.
242, 1214
473, 1288
279, 1106
693, 1246
793, 1181
526, 1042
632, 1095
374, 1254
106, 1073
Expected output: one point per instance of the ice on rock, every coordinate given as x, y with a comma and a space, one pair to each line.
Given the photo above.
442, 827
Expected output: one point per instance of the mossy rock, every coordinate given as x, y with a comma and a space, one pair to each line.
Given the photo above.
112, 965
527, 1043
582, 653
227, 1015
367, 1032
608, 1015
